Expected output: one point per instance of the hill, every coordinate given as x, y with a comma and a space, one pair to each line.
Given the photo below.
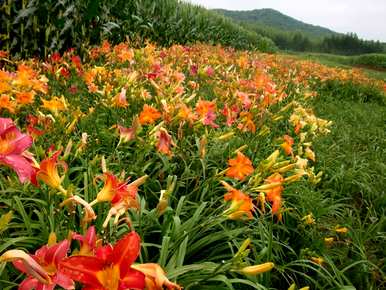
277, 20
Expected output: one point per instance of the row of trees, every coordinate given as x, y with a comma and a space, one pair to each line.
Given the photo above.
345, 44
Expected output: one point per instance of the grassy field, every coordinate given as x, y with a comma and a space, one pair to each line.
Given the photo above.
200, 167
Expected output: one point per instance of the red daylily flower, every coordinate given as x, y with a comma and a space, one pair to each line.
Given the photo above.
88, 242
110, 268
121, 195
115, 190
239, 167
42, 268
13, 146
230, 113
164, 142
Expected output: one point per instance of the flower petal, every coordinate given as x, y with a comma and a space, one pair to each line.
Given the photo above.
28, 284
64, 281
132, 280
57, 252
23, 168
82, 269
5, 124
126, 251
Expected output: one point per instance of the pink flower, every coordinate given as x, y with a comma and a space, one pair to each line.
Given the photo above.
13, 146
42, 268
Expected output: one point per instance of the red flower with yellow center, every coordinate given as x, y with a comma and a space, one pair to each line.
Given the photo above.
121, 195
239, 167
110, 268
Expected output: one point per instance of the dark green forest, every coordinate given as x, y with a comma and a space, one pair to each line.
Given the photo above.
291, 34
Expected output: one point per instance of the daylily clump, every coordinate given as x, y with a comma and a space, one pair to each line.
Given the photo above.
194, 125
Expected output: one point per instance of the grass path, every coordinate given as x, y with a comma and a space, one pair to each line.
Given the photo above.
353, 158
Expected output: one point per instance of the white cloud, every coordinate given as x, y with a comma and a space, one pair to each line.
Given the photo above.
366, 18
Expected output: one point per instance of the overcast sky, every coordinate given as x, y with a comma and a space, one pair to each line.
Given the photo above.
367, 18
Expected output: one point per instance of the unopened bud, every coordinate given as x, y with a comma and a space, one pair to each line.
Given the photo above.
258, 269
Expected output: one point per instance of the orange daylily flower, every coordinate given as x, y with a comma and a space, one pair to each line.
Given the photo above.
149, 115
185, 113
7, 103
246, 123
274, 194
4, 86
287, 144
48, 172
241, 203
155, 277
239, 167
24, 98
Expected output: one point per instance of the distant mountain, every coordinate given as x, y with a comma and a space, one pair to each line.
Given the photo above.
278, 21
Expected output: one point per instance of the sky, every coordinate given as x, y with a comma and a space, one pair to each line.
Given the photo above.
367, 18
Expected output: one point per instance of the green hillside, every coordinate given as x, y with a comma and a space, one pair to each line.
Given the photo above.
275, 19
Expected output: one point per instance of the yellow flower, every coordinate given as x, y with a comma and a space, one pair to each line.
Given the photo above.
309, 219
55, 105
329, 240
317, 260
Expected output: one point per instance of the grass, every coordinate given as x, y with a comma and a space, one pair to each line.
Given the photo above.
353, 158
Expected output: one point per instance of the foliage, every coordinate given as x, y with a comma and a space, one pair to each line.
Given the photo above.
40, 27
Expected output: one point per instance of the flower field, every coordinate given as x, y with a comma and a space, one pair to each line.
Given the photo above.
188, 167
